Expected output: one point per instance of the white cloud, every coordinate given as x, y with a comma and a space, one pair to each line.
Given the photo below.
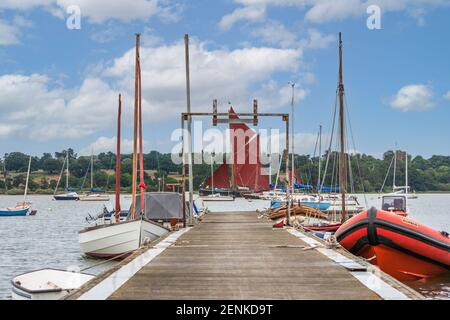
447, 95
304, 143
250, 13
275, 33
8, 129
55, 113
73, 113
222, 74
317, 40
321, 11
10, 31
99, 11
24, 4
414, 97
272, 95
105, 144
324, 11
8, 34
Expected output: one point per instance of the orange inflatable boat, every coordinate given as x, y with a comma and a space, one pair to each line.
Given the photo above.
401, 247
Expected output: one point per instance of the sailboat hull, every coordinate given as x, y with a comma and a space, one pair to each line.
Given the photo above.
94, 197
66, 197
118, 240
151, 231
14, 212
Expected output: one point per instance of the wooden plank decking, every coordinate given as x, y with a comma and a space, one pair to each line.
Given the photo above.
235, 255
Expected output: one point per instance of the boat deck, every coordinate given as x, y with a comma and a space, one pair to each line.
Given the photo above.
237, 255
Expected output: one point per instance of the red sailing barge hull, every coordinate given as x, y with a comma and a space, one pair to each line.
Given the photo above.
401, 247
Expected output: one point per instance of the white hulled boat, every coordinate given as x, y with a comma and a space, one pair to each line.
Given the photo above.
94, 195
119, 239
67, 195
47, 284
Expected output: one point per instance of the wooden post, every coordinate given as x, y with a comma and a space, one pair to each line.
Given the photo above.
188, 104
117, 209
342, 133
288, 188
183, 173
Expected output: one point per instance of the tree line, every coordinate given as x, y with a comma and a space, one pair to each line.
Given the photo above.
366, 173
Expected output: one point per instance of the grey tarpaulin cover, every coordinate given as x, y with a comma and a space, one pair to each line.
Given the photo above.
161, 205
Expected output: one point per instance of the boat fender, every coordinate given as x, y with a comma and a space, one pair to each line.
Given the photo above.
372, 236
445, 234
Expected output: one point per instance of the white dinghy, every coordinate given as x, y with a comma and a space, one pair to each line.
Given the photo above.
47, 284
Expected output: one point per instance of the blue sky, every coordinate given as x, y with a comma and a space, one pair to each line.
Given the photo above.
58, 87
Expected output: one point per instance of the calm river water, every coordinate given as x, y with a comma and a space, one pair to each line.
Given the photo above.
50, 239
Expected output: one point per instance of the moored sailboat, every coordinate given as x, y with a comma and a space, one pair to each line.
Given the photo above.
93, 194
68, 195
22, 208
120, 239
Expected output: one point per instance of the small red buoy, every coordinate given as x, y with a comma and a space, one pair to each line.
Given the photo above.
279, 224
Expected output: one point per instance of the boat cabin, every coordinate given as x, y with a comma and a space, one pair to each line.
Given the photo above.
396, 204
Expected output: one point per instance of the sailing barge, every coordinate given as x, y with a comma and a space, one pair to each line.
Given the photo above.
243, 175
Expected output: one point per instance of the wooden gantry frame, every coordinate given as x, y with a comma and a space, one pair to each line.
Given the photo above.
224, 118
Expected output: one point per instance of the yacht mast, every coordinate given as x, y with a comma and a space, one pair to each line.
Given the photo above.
67, 171
342, 132
117, 209
92, 170
320, 157
292, 135
406, 174
26, 183
395, 168
142, 186
135, 133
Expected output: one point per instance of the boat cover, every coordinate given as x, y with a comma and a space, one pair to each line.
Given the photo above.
161, 205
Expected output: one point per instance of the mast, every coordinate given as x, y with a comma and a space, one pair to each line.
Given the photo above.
6, 176
270, 154
189, 120
92, 169
142, 186
26, 183
406, 174
67, 171
292, 136
395, 168
280, 159
60, 176
135, 132
117, 210
320, 157
212, 175
342, 133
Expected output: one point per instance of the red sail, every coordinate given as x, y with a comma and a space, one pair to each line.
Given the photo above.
220, 177
246, 167
297, 179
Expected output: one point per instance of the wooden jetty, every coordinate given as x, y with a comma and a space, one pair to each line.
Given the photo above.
238, 255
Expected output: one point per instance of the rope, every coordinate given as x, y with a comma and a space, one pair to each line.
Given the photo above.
333, 121
354, 147
387, 173
105, 261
